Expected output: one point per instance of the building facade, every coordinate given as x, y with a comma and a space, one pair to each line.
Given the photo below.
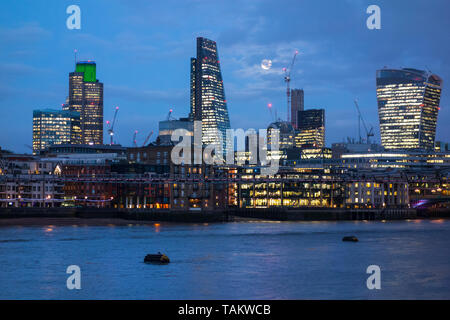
311, 129
52, 127
208, 103
297, 104
408, 106
86, 97
286, 135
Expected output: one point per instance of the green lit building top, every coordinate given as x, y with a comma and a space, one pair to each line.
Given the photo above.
89, 70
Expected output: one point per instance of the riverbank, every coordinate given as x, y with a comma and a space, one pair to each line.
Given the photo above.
106, 216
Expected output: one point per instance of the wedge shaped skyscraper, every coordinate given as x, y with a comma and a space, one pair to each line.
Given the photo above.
208, 103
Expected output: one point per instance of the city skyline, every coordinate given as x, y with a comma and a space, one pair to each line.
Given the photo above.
331, 83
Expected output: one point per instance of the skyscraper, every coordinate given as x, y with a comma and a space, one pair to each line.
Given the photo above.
408, 105
55, 127
311, 129
86, 97
208, 103
297, 104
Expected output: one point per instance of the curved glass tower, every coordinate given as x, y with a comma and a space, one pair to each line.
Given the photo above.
408, 105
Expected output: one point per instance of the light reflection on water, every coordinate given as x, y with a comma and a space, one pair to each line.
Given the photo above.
245, 260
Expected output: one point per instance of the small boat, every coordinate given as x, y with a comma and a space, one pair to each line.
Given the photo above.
350, 238
157, 258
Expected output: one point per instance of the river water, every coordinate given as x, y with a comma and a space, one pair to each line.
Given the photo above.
239, 260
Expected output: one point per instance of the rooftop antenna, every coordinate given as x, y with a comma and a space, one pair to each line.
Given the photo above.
169, 115
269, 105
75, 53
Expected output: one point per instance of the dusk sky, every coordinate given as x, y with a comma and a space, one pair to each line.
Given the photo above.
142, 50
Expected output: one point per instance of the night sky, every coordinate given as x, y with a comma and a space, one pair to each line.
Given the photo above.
142, 50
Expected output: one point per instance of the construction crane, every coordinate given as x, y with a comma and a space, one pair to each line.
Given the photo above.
148, 138
111, 126
134, 138
287, 79
369, 133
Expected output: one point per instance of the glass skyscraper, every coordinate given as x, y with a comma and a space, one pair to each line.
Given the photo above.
311, 129
208, 103
408, 105
55, 127
86, 97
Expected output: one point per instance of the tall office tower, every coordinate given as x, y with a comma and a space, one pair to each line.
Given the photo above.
86, 97
55, 127
408, 105
208, 102
297, 104
311, 129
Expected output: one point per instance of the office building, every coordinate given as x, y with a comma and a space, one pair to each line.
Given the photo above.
52, 127
286, 135
167, 127
86, 97
408, 106
311, 129
208, 103
297, 104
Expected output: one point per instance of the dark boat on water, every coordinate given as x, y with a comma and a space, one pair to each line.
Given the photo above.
350, 239
157, 258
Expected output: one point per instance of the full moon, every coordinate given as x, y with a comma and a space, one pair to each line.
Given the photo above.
266, 64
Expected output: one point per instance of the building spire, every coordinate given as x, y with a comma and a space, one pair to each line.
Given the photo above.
75, 54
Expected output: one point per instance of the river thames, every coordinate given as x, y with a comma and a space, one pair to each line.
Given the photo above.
239, 260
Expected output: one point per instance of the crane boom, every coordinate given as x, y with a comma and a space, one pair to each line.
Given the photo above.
369, 133
287, 79
111, 125
115, 116
134, 138
148, 138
